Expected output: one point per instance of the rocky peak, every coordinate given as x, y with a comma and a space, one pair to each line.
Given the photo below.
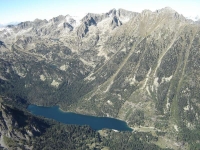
70, 20
125, 13
112, 12
28, 24
10, 26
167, 11
24, 25
146, 12
40, 22
120, 14
115, 22
90, 20
57, 19
94, 18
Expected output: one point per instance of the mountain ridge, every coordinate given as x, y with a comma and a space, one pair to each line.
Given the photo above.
139, 67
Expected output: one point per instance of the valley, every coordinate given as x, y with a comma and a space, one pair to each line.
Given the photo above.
142, 68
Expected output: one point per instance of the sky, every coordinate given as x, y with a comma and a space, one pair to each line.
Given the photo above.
29, 10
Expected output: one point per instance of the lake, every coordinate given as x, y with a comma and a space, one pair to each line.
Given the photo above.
96, 123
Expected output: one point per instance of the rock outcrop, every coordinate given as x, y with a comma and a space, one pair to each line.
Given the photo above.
17, 127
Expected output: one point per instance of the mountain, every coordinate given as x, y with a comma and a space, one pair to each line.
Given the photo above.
142, 68
21, 130
196, 18
8, 24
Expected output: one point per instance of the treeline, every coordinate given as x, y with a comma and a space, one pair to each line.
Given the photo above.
70, 137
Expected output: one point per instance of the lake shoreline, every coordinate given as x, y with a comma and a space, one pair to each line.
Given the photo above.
94, 116
96, 122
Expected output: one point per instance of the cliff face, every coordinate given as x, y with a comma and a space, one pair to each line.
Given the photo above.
17, 128
140, 67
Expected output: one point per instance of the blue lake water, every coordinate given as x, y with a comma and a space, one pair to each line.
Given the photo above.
96, 123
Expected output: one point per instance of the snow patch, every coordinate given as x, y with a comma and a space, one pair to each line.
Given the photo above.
107, 115
73, 20
186, 108
108, 87
167, 109
55, 83
147, 77
29, 133
90, 77
155, 83
60, 24
109, 102
168, 104
42, 77
2, 143
167, 79
2, 77
131, 81
63, 67
147, 88
197, 117
37, 130
137, 52
21, 74
120, 97
176, 127
91, 64
115, 130
123, 50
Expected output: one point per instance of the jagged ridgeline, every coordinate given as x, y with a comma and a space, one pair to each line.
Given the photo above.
143, 68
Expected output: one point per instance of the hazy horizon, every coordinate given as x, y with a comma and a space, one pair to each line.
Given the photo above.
23, 10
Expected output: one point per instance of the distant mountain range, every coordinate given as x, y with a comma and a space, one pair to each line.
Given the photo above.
196, 18
10, 23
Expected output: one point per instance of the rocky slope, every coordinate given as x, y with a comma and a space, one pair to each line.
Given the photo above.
140, 67
18, 128
21, 130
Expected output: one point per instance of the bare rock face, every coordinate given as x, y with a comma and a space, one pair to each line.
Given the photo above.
140, 67
67, 25
16, 126
2, 44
